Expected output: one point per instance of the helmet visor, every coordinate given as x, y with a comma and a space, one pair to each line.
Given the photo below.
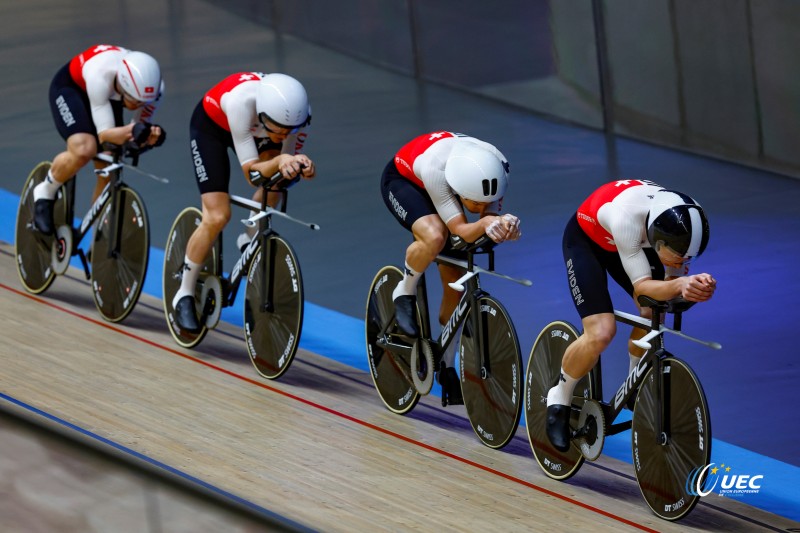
273, 126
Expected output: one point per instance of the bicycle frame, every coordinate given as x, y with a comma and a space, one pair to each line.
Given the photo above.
653, 358
468, 301
262, 218
245, 260
108, 194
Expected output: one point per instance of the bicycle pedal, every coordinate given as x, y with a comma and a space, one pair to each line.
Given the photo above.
211, 298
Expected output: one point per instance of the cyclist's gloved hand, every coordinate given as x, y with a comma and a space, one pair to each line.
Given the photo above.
161, 137
512, 224
496, 230
141, 133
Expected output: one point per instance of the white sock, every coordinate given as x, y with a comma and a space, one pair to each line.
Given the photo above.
190, 274
407, 285
634, 360
47, 189
561, 394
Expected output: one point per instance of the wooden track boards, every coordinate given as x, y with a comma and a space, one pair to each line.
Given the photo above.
317, 446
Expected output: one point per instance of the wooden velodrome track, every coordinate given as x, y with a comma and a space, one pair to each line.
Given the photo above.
317, 446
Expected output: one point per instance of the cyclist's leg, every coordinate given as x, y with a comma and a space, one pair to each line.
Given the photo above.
72, 116
174, 263
413, 209
34, 250
586, 267
617, 272
216, 214
543, 370
209, 151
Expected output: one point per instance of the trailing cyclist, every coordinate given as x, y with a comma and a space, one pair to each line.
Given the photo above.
427, 186
87, 96
262, 117
643, 236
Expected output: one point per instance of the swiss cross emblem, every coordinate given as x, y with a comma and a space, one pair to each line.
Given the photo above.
247, 77
149, 90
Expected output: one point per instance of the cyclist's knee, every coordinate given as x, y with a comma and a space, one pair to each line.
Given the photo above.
82, 149
599, 333
432, 232
216, 219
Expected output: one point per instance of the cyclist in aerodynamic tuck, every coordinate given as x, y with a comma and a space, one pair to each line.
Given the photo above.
87, 97
643, 236
262, 117
427, 186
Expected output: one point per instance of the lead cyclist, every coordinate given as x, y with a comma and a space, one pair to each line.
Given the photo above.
644, 237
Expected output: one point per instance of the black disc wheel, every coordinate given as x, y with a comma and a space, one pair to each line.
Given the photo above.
32, 249
273, 307
491, 374
390, 371
120, 252
670, 457
174, 253
543, 371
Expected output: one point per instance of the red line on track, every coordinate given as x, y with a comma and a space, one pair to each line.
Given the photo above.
331, 411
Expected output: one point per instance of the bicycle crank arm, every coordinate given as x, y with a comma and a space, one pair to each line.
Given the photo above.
477, 269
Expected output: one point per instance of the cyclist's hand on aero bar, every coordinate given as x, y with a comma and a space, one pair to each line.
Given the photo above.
511, 224
698, 288
298, 165
148, 135
145, 136
504, 228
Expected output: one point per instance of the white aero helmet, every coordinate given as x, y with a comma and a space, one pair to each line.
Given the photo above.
139, 76
283, 100
678, 222
475, 173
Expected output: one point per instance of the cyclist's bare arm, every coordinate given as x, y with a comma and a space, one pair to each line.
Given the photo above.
118, 135
470, 231
288, 165
694, 288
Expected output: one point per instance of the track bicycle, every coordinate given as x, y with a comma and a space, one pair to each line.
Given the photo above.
670, 425
402, 368
120, 245
273, 306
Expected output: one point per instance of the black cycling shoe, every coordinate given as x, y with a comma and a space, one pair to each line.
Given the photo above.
405, 311
558, 430
186, 315
43, 216
451, 386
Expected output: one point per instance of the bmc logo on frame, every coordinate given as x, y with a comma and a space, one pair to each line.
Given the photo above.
704, 479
